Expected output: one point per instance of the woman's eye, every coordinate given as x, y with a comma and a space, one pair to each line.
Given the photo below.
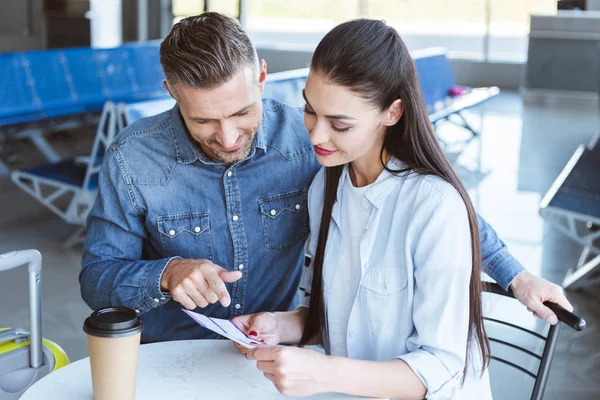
335, 128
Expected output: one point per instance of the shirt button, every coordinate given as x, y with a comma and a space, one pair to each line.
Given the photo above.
241, 266
365, 203
229, 173
273, 212
163, 298
172, 232
137, 311
349, 333
197, 229
297, 206
237, 306
235, 218
156, 300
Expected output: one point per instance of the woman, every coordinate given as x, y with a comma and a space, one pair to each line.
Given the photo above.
395, 289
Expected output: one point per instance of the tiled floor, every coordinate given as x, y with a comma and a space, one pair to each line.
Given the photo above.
520, 153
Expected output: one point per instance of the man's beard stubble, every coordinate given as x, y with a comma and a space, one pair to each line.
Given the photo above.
230, 157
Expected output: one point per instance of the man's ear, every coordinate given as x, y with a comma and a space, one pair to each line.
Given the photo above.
392, 115
262, 77
166, 85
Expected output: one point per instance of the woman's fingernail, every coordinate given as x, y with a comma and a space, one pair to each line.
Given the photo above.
253, 333
552, 320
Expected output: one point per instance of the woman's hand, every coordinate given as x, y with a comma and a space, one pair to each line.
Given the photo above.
261, 327
294, 371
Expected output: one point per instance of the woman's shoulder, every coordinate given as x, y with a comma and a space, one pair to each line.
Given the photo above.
432, 186
438, 185
431, 193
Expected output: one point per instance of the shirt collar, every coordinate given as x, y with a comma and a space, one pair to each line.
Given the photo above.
378, 191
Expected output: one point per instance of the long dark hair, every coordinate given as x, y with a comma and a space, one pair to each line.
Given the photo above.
370, 58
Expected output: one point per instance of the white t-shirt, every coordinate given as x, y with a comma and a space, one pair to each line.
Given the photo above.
341, 294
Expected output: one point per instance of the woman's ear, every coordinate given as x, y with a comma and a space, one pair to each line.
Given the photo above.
392, 115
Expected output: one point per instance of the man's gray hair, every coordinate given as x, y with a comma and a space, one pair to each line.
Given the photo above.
205, 51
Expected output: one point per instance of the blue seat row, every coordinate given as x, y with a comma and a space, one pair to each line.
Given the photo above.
436, 77
38, 85
45, 84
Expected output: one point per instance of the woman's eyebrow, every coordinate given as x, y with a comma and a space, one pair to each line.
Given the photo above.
336, 116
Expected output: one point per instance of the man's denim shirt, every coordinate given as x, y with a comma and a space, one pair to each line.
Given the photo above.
161, 197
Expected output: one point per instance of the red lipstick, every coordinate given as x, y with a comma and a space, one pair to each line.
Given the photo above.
322, 152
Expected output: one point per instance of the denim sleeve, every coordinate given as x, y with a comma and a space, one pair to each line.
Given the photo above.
498, 263
113, 273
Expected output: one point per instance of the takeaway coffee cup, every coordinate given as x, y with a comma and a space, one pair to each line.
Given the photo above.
113, 342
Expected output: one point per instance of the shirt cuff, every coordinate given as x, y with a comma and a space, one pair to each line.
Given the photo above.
152, 293
435, 376
503, 268
305, 302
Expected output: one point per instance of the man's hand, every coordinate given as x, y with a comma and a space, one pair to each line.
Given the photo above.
532, 291
197, 283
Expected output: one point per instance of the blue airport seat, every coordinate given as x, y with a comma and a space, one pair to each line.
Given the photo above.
17, 102
572, 205
117, 73
82, 71
66, 172
148, 74
437, 85
435, 75
53, 93
76, 178
579, 189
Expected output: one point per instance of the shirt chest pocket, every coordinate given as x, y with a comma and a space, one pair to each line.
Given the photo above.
384, 300
384, 280
285, 219
186, 235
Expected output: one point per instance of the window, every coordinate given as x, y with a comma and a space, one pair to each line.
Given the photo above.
509, 27
457, 25
186, 8
299, 15
494, 30
298, 24
227, 7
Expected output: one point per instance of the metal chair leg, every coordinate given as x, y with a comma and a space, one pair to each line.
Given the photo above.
544, 371
575, 278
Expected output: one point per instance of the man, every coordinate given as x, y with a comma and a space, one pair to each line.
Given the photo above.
205, 205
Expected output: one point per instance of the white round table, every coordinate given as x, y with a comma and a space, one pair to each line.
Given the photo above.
192, 369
